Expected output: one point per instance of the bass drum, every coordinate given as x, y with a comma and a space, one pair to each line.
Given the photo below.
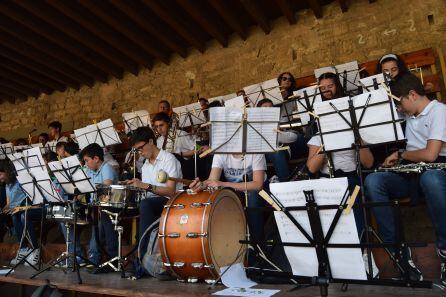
199, 233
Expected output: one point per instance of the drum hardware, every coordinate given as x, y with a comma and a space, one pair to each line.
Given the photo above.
196, 235
179, 206
119, 196
200, 204
170, 235
192, 279
178, 264
197, 265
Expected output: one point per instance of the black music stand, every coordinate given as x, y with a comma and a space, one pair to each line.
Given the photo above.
102, 133
73, 181
135, 119
5, 150
36, 184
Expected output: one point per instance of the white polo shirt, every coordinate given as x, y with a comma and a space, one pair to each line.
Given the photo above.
183, 142
343, 160
164, 161
234, 167
429, 124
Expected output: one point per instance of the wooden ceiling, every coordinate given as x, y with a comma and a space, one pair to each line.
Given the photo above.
48, 45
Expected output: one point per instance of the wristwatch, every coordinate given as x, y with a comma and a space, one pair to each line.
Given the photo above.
149, 188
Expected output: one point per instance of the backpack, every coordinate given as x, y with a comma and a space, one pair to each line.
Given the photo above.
151, 261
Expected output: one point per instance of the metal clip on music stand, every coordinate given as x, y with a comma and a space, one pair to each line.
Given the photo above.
73, 181
36, 184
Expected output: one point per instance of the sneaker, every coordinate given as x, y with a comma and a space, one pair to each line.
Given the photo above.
21, 253
409, 266
33, 258
442, 255
365, 258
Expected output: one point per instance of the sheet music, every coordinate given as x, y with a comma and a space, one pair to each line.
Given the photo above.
345, 263
44, 189
190, 114
225, 122
135, 119
368, 82
268, 89
30, 158
313, 96
222, 98
352, 70
102, 133
265, 120
237, 102
373, 115
5, 149
68, 171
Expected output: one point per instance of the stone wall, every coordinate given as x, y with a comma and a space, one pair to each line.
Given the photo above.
363, 33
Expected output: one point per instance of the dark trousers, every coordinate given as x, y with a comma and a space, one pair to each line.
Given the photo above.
150, 210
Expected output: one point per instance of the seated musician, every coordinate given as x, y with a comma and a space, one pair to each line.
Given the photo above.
342, 163
43, 138
101, 173
280, 158
16, 197
66, 149
393, 65
426, 137
143, 140
55, 131
235, 171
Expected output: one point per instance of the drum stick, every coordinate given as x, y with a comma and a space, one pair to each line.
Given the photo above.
163, 177
351, 200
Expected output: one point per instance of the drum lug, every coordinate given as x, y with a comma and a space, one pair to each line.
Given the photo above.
210, 266
178, 264
167, 264
197, 265
192, 279
179, 206
195, 235
170, 235
210, 281
199, 204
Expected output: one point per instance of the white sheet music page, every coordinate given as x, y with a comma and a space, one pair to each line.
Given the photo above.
30, 158
222, 98
268, 89
190, 114
237, 102
108, 132
368, 82
135, 119
68, 170
375, 114
5, 149
262, 129
226, 133
352, 71
345, 263
44, 189
313, 96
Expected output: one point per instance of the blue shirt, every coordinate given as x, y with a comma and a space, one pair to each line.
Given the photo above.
15, 193
106, 171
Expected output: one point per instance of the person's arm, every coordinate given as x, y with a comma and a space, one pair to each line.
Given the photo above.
214, 176
168, 191
6, 208
315, 160
428, 154
256, 184
366, 157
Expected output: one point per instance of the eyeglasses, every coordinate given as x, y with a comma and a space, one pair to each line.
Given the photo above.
139, 149
286, 78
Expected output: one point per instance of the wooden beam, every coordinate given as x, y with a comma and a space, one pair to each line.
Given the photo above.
196, 10
119, 22
61, 69
252, 8
176, 23
316, 7
121, 48
142, 16
343, 5
230, 18
12, 92
6, 97
20, 79
38, 67
19, 87
30, 25
287, 10
24, 71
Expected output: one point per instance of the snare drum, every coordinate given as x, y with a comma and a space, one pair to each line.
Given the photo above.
119, 196
65, 213
199, 233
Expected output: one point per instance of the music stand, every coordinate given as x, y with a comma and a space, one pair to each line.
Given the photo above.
269, 89
222, 98
35, 182
190, 115
73, 181
5, 150
135, 119
348, 74
102, 133
50, 146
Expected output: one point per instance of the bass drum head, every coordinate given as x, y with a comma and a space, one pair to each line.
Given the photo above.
227, 226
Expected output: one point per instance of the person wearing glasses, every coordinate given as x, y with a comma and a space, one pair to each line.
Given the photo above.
150, 208
426, 142
102, 173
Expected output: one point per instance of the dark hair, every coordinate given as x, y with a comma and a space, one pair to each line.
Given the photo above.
44, 135
165, 102
406, 83
3, 140
92, 150
56, 125
402, 68
263, 101
203, 99
60, 144
71, 148
334, 77
293, 81
7, 167
161, 116
21, 141
142, 134
50, 156
215, 103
